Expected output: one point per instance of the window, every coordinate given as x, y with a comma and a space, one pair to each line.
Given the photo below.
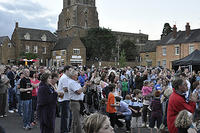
44, 50
164, 63
44, 37
27, 49
54, 53
27, 36
35, 49
62, 52
164, 51
177, 50
9, 45
158, 63
69, 2
76, 51
191, 48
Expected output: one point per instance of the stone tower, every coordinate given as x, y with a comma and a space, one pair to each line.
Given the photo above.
76, 17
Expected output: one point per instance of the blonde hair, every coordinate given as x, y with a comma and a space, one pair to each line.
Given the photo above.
183, 119
94, 122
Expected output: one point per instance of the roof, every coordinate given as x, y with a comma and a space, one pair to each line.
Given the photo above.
150, 46
128, 33
2, 38
63, 43
181, 37
35, 34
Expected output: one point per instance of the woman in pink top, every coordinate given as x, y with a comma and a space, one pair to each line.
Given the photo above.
35, 83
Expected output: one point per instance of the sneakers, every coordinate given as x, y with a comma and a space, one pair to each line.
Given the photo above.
10, 111
1, 116
5, 115
15, 110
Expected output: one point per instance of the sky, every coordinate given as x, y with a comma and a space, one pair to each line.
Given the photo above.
148, 16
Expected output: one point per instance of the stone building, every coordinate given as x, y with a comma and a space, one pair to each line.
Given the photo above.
177, 45
69, 50
36, 41
7, 51
76, 17
148, 53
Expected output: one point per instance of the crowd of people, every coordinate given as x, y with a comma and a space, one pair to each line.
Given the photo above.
107, 98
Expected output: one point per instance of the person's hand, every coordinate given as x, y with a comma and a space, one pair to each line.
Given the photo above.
119, 113
60, 94
65, 89
194, 97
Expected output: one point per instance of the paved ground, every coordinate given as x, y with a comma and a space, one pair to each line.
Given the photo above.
13, 124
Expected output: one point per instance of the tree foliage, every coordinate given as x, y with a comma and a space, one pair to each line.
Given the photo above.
130, 50
166, 30
99, 43
28, 56
122, 59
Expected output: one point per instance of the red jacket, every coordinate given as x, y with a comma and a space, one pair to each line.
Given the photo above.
175, 105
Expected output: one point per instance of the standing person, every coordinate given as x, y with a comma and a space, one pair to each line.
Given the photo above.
110, 109
156, 114
11, 93
139, 79
124, 88
82, 78
76, 97
63, 86
35, 83
177, 102
26, 98
97, 123
4, 85
20, 110
46, 104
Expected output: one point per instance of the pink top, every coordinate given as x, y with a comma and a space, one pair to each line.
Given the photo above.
146, 90
35, 90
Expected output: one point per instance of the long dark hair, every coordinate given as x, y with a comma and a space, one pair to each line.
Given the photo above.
45, 77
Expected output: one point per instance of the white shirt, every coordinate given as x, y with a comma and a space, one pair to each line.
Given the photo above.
63, 83
73, 87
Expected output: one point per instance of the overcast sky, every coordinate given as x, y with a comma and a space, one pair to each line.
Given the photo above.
148, 16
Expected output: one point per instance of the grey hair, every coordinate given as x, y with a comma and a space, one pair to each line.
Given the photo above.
72, 73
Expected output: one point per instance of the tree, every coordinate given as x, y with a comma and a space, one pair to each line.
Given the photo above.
99, 43
28, 55
122, 59
166, 30
129, 49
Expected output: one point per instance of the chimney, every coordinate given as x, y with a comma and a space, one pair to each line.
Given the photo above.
16, 25
174, 31
187, 29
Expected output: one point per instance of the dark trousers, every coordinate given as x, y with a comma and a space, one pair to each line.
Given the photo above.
124, 93
34, 105
127, 119
145, 111
3, 98
66, 117
114, 120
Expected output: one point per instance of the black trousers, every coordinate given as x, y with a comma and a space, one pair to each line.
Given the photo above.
114, 120
3, 98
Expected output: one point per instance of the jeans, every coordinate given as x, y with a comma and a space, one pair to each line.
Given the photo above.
20, 109
66, 117
27, 110
12, 100
127, 119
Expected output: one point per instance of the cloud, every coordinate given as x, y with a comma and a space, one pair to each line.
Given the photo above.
29, 14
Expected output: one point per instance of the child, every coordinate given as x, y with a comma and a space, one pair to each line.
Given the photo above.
183, 121
124, 88
127, 99
156, 114
146, 92
136, 108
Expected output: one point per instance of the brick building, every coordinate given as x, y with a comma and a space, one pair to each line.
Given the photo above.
69, 50
148, 53
7, 51
177, 45
36, 41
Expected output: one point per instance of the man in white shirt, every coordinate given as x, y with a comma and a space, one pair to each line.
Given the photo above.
76, 96
66, 115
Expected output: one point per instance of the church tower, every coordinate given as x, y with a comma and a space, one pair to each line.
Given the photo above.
76, 17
